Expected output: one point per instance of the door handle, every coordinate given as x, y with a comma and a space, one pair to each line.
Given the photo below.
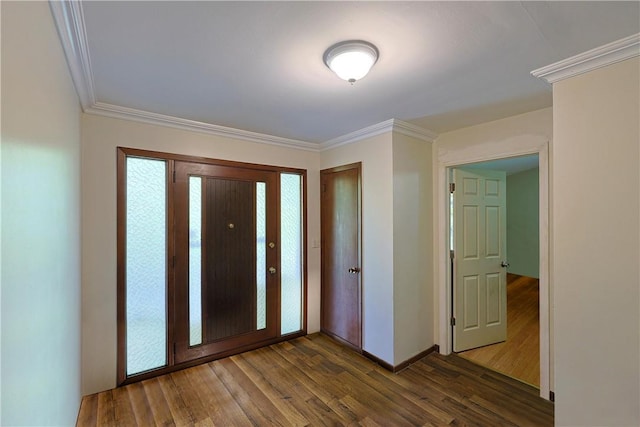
354, 270
272, 270
504, 264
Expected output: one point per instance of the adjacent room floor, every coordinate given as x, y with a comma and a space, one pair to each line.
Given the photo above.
315, 381
519, 356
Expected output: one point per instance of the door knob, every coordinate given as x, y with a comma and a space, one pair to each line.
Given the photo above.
354, 270
504, 264
272, 270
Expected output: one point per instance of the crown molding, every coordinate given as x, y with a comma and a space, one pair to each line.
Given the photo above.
69, 20
358, 135
118, 112
602, 56
414, 131
391, 125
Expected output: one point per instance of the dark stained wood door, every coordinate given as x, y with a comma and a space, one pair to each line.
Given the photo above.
341, 269
229, 291
224, 217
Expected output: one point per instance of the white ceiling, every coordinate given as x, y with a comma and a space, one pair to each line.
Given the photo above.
257, 66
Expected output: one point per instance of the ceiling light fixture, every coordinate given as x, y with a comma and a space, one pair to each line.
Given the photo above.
351, 60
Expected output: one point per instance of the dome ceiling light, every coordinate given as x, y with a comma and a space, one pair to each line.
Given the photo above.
351, 60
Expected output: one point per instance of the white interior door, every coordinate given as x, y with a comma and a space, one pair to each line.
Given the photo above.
480, 290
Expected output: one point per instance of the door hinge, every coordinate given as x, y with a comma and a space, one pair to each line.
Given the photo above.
174, 176
453, 321
452, 254
324, 188
174, 349
173, 261
452, 187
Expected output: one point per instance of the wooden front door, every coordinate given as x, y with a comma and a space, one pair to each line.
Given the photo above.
341, 268
226, 258
229, 294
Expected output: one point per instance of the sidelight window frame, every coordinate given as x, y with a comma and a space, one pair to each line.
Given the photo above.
123, 154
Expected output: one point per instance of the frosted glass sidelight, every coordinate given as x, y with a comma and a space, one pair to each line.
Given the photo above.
261, 255
195, 260
146, 258
291, 252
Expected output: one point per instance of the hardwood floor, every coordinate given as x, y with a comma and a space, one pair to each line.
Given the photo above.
519, 356
315, 381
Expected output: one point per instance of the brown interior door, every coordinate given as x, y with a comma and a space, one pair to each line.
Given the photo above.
226, 295
341, 277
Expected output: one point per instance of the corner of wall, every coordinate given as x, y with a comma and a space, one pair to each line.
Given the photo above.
40, 198
595, 242
414, 307
375, 153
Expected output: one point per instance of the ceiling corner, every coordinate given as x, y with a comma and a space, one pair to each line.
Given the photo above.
414, 131
132, 114
602, 56
69, 20
358, 135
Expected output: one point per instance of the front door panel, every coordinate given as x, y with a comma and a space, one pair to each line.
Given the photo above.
226, 295
230, 239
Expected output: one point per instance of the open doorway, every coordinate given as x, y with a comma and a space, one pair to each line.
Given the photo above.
494, 242
481, 152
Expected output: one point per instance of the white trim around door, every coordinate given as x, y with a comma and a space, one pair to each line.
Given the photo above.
526, 145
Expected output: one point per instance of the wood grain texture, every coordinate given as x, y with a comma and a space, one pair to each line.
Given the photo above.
341, 290
519, 355
229, 253
229, 307
314, 380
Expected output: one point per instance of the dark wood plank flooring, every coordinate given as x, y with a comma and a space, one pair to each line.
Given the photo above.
315, 381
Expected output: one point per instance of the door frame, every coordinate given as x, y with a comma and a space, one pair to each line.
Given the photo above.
525, 145
122, 153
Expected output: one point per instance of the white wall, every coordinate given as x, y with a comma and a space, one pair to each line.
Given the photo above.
375, 153
40, 223
412, 248
596, 242
487, 137
100, 137
397, 306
